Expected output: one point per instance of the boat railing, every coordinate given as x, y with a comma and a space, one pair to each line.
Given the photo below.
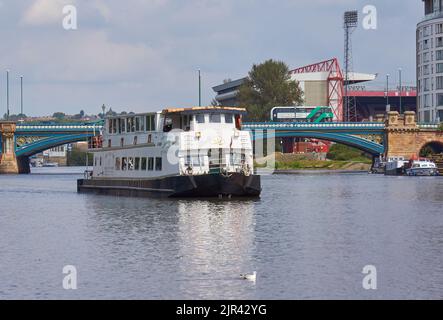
88, 174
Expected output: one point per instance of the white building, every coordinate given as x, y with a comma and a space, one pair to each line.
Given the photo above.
430, 63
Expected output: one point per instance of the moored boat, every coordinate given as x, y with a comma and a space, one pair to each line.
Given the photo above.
421, 167
193, 152
395, 166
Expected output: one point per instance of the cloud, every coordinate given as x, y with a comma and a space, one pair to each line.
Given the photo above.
45, 12
149, 50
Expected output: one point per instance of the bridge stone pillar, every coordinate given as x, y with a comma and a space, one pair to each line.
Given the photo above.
8, 160
402, 135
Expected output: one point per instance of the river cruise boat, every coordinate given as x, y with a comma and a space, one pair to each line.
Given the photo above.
421, 167
395, 166
186, 152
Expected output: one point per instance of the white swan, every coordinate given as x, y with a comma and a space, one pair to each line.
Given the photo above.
250, 277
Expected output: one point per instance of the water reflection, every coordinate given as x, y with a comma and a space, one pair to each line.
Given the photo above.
212, 242
318, 231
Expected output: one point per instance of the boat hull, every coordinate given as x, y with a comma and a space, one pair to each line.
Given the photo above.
209, 185
394, 172
422, 172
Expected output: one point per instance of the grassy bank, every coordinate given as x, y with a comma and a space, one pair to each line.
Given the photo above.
339, 158
322, 165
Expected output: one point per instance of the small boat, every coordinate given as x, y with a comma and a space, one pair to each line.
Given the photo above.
378, 167
50, 165
421, 167
395, 166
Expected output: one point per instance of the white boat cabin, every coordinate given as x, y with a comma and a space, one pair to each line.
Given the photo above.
185, 141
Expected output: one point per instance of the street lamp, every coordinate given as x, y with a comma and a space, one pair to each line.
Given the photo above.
7, 94
387, 93
399, 79
199, 88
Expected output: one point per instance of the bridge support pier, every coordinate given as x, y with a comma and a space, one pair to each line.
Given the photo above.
8, 160
23, 165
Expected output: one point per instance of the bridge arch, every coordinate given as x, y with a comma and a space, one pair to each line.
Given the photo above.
431, 147
50, 142
373, 148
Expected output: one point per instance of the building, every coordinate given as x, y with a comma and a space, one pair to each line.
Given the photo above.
57, 155
227, 92
371, 101
430, 63
322, 84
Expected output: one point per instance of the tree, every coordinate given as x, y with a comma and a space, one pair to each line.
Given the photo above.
59, 115
268, 85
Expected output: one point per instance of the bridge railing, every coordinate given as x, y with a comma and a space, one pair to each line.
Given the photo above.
428, 125
59, 127
323, 125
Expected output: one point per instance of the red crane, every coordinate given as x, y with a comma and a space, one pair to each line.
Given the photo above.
335, 83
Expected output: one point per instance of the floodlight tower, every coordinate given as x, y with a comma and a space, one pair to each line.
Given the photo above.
350, 24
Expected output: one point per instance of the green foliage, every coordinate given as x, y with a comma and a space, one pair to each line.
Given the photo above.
268, 85
318, 164
77, 158
341, 152
59, 115
440, 127
14, 117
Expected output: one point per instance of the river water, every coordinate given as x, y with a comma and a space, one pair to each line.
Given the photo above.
308, 237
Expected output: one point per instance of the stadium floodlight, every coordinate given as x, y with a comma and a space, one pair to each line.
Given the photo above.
351, 18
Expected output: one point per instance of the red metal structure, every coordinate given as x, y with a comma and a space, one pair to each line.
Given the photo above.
335, 83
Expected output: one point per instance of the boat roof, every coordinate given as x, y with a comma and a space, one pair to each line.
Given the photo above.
194, 110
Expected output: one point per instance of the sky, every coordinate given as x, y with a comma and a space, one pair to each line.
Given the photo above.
143, 55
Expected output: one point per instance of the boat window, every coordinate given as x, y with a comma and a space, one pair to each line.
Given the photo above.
117, 164
158, 164
168, 125
150, 164
228, 118
110, 125
135, 141
142, 124
137, 124
123, 125
144, 162
131, 163
150, 123
124, 163
109, 143
137, 163
114, 125
200, 118
215, 118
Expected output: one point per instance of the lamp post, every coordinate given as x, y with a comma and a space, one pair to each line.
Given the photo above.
7, 94
103, 108
199, 88
21, 95
387, 93
399, 79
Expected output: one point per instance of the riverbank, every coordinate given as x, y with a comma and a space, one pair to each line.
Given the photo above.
297, 163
